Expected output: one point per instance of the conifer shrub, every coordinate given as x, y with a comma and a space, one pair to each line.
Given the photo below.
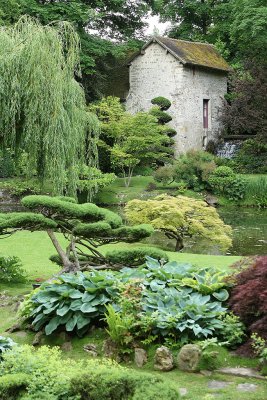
162, 102
249, 297
162, 116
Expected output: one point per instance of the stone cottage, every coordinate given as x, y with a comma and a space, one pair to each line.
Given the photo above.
193, 76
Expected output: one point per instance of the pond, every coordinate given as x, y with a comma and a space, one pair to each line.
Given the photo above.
249, 229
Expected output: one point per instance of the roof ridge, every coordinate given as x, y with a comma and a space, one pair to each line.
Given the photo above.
187, 41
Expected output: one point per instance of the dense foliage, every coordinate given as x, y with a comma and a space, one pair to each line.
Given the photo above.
176, 301
223, 180
251, 158
129, 141
11, 270
43, 110
180, 217
245, 112
85, 226
192, 168
44, 374
72, 302
249, 297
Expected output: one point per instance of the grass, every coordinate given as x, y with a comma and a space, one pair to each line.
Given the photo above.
117, 193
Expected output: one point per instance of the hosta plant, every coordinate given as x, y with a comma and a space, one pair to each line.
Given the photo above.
183, 313
71, 302
6, 344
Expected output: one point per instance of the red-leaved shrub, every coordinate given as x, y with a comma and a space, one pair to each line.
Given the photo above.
248, 299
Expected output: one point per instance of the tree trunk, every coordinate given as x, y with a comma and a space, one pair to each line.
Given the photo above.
68, 266
179, 243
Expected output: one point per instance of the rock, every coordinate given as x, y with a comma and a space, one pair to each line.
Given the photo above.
183, 392
163, 359
14, 328
67, 346
21, 334
110, 349
91, 349
37, 338
247, 387
243, 372
140, 357
211, 200
188, 357
218, 384
205, 372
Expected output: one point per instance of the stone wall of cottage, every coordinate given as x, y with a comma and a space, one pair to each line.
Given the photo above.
158, 73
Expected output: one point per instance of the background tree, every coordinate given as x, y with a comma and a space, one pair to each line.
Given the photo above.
245, 112
138, 141
180, 217
96, 22
84, 226
248, 29
127, 140
190, 19
43, 109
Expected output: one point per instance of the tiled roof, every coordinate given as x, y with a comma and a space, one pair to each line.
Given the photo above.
192, 53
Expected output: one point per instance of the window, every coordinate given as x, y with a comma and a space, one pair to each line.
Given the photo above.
205, 114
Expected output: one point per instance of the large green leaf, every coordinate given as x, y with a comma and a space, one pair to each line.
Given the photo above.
82, 321
52, 325
76, 305
222, 295
87, 308
62, 311
88, 297
70, 325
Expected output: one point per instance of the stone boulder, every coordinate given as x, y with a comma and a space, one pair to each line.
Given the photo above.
163, 359
188, 357
140, 357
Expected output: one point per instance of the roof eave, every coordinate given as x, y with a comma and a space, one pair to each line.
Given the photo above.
225, 70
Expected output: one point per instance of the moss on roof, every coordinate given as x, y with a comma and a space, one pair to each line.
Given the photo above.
193, 53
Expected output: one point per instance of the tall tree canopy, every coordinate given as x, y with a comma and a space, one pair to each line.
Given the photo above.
191, 19
96, 22
42, 107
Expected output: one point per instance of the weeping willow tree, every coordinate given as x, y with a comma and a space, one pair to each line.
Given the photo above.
42, 106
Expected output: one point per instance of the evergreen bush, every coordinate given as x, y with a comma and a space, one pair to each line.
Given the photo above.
161, 102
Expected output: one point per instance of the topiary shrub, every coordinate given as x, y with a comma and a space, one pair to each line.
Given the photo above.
162, 116
162, 102
85, 226
134, 257
249, 297
11, 270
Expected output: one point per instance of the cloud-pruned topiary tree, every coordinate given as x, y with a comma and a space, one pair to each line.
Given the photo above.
84, 226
